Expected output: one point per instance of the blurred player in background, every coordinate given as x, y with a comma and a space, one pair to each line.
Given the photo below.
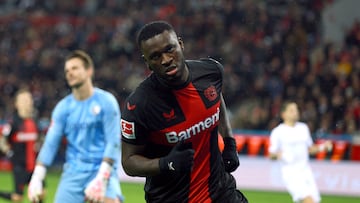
291, 143
18, 141
170, 125
89, 118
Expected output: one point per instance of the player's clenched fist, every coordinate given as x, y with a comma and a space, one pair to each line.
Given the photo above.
229, 155
180, 158
35, 188
96, 189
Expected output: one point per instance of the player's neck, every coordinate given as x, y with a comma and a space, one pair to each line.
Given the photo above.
290, 123
83, 92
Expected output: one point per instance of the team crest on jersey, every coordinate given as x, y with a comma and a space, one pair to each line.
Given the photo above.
128, 129
96, 109
210, 93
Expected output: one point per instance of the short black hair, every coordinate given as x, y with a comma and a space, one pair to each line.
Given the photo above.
151, 29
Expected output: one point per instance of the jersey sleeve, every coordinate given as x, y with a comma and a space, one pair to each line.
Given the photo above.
216, 64
132, 123
111, 126
309, 140
274, 141
53, 136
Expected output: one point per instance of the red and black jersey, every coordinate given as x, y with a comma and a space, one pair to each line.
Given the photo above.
158, 117
22, 136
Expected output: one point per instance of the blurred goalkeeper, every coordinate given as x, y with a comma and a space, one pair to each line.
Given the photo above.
291, 143
17, 141
89, 119
170, 125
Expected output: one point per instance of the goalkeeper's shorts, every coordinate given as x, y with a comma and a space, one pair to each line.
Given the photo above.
72, 186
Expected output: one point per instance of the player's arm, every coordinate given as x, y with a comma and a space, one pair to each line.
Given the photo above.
46, 155
44, 159
135, 164
96, 189
5, 133
224, 122
315, 148
274, 146
179, 160
229, 154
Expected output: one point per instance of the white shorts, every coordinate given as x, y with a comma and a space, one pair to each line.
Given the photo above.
300, 183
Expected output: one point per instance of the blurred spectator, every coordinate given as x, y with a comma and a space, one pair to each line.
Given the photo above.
270, 50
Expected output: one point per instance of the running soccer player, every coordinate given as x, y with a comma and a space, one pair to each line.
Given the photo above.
89, 118
291, 143
17, 142
170, 125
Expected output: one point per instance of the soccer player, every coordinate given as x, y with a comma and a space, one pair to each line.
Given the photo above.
170, 125
291, 143
89, 119
18, 141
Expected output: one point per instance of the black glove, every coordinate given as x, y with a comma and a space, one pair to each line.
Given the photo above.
229, 155
180, 158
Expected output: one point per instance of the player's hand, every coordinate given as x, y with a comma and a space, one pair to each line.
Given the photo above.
96, 189
326, 146
229, 155
180, 158
35, 188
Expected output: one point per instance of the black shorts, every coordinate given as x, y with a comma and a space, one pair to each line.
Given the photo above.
236, 197
21, 178
230, 194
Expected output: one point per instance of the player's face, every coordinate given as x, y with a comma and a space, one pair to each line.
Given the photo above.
163, 54
291, 113
75, 72
24, 104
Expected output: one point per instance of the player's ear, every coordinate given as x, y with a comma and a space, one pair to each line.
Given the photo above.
147, 64
181, 42
91, 72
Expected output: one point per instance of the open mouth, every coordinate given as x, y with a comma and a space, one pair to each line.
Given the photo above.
172, 70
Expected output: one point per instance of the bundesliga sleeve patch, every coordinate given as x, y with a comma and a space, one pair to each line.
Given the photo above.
128, 129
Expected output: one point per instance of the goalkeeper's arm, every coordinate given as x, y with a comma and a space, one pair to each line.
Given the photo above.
35, 188
96, 189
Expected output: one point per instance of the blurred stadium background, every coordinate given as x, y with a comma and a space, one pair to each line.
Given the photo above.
272, 50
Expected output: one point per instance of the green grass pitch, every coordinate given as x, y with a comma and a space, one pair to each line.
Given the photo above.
134, 192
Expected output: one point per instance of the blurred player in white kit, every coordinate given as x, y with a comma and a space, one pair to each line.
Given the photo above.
291, 143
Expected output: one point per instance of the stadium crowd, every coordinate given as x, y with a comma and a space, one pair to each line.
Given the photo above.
271, 51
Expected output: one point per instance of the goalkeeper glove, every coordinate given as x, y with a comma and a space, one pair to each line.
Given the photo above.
35, 188
96, 189
180, 158
229, 155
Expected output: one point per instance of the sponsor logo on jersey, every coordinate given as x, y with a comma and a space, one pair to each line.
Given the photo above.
210, 93
197, 128
128, 129
170, 115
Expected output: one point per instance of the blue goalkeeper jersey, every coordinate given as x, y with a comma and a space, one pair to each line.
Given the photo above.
91, 128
